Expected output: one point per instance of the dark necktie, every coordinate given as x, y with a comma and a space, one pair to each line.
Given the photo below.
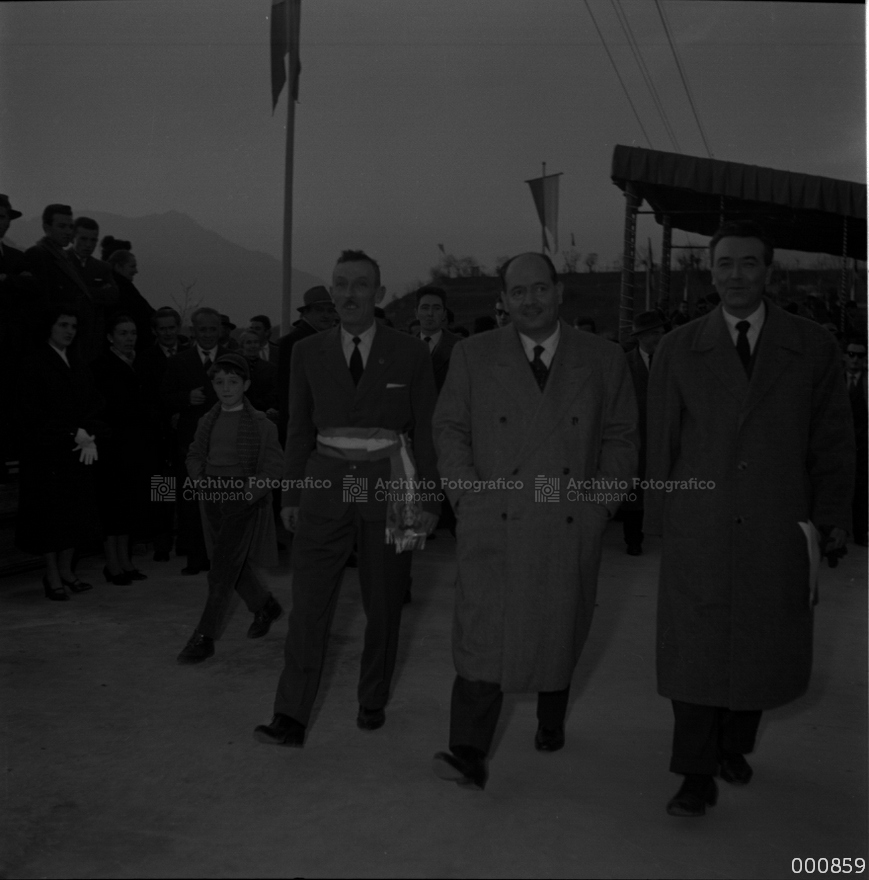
207, 362
427, 341
650, 362
356, 365
743, 349
540, 370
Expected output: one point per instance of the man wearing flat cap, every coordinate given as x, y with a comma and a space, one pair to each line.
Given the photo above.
318, 314
648, 329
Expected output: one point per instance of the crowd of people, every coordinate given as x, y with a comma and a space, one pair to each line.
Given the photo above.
723, 434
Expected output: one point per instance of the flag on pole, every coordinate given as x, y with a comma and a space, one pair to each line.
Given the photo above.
544, 191
285, 41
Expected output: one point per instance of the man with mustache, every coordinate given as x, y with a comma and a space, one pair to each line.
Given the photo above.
533, 423
750, 428
359, 394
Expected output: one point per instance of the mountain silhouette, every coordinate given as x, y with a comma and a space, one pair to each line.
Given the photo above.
173, 250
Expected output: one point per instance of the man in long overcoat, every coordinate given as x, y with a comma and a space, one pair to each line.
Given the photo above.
749, 420
536, 435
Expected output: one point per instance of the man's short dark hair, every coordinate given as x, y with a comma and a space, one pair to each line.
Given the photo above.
360, 257
262, 319
430, 290
204, 310
51, 210
502, 272
86, 223
165, 312
741, 229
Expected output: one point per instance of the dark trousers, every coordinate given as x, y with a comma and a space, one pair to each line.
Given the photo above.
190, 536
703, 734
231, 526
632, 525
476, 705
321, 548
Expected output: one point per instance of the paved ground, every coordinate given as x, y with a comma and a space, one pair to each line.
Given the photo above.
119, 763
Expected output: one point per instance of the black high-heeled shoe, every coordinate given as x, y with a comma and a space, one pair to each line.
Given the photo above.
56, 594
119, 580
77, 586
135, 575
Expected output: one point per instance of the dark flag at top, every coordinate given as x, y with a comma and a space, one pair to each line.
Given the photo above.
285, 24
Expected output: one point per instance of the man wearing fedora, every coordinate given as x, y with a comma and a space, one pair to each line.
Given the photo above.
318, 314
648, 330
226, 340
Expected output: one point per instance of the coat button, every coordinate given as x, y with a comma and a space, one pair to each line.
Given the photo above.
570, 519
515, 471
738, 520
566, 471
502, 419
503, 516
742, 465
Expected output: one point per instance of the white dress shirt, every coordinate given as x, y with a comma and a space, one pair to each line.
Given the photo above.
549, 346
365, 340
755, 319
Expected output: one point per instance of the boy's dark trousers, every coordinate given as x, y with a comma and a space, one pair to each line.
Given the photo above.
231, 526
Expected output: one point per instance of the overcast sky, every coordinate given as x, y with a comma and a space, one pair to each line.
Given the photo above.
418, 121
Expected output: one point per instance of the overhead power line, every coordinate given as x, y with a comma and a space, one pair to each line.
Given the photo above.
682, 75
615, 68
650, 85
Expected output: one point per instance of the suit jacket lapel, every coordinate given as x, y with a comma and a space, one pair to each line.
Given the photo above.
332, 358
64, 262
380, 357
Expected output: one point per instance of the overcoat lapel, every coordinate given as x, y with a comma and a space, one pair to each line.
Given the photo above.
719, 355
567, 375
779, 346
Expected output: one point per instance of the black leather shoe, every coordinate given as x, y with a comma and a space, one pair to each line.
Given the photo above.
161, 556
468, 770
549, 739
696, 792
119, 580
283, 731
264, 618
735, 770
370, 719
77, 586
197, 649
635, 550
56, 594
135, 575
195, 569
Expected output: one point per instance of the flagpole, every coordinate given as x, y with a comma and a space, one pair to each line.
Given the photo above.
287, 288
543, 204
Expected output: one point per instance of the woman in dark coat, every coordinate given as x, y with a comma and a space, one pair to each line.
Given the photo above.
130, 301
122, 473
59, 410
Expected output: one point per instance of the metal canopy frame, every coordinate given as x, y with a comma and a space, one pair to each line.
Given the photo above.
798, 211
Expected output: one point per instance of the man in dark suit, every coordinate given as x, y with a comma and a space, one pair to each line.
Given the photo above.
55, 277
152, 363
531, 413
186, 395
648, 329
431, 309
855, 380
749, 435
262, 326
102, 290
318, 314
357, 392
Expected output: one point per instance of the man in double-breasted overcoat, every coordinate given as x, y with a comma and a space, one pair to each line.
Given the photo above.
536, 435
